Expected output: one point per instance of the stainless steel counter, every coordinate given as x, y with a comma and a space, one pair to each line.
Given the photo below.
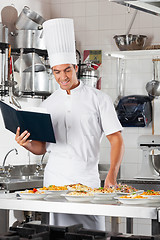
113, 209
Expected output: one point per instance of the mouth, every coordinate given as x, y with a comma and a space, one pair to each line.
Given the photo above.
64, 83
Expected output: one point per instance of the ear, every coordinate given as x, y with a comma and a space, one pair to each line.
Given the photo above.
76, 68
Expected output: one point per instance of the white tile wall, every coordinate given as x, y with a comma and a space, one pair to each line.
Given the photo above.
96, 22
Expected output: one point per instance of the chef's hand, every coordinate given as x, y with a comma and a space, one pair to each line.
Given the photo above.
21, 139
110, 180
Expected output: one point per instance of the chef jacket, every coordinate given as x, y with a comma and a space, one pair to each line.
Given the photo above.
79, 122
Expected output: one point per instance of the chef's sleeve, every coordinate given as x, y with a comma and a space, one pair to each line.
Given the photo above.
109, 120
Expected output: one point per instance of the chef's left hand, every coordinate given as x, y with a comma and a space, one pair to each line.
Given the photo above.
110, 180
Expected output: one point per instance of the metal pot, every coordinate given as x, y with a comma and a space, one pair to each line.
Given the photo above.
29, 19
39, 86
155, 159
27, 39
24, 63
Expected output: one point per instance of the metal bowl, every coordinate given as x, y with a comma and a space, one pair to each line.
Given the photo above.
130, 42
156, 162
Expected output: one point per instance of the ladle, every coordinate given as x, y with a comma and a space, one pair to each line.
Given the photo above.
153, 87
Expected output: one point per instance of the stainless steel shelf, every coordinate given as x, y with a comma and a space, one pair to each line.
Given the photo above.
135, 54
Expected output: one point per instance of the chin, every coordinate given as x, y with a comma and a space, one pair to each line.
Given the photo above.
67, 87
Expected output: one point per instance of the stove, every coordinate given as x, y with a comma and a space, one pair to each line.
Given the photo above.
75, 232
51, 232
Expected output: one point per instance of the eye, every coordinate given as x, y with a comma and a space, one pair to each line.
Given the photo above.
56, 72
68, 70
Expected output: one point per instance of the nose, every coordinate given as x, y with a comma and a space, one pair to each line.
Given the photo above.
63, 75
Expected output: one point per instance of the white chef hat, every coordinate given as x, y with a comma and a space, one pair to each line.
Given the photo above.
60, 41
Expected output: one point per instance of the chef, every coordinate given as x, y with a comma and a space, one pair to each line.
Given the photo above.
81, 115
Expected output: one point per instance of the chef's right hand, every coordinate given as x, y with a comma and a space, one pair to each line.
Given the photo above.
21, 139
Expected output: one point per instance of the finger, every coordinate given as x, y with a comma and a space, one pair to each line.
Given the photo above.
23, 137
17, 133
25, 143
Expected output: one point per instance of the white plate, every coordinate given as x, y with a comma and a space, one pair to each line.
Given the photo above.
133, 200
73, 198
104, 196
137, 192
104, 201
153, 198
31, 196
78, 190
56, 192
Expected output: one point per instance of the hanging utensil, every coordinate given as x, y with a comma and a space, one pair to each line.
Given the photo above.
153, 87
132, 21
9, 15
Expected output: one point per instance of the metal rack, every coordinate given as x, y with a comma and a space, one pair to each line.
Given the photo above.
20, 52
4, 83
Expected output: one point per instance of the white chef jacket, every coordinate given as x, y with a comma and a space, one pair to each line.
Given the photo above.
79, 122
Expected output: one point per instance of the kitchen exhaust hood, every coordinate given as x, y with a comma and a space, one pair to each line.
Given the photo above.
149, 6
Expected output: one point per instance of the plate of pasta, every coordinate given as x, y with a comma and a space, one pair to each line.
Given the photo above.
54, 190
78, 196
33, 194
103, 193
78, 187
124, 189
151, 194
133, 199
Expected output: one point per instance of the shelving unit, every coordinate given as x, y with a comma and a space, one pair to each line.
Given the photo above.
30, 82
135, 54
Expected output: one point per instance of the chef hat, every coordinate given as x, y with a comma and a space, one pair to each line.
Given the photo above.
60, 41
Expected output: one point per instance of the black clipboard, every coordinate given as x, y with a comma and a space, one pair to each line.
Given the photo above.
39, 125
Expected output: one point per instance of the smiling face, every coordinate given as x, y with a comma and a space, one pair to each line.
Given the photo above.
65, 75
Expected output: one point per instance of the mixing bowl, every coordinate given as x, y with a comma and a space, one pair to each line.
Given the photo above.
156, 162
130, 42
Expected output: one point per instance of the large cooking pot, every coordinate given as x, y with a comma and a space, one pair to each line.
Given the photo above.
27, 39
25, 63
39, 86
29, 19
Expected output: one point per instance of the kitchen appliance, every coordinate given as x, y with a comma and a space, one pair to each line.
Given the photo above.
134, 111
149, 144
43, 231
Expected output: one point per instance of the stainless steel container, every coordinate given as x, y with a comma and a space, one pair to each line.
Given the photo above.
39, 85
27, 39
29, 19
156, 162
3, 33
89, 76
130, 42
24, 63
